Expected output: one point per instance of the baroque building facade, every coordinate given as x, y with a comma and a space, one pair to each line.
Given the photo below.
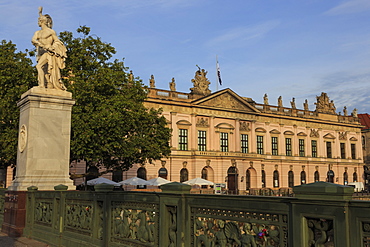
230, 139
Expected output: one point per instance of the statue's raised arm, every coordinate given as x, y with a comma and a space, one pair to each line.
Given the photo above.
51, 54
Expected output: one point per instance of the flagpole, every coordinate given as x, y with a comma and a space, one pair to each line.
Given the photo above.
216, 73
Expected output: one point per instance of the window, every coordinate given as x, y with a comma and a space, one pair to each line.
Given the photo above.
290, 179
330, 176
141, 173
328, 150
248, 180
314, 148
303, 177
276, 179
204, 173
259, 144
288, 146
355, 177
224, 142
202, 140
301, 148
363, 141
183, 139
342, 150
162, 172
316, 176
274, 145
244, 143
353, 151
345, 178
263, 178
184, 175
117, 175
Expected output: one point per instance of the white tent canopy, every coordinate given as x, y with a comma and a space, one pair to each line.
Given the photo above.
198, 181
158, 181
101, 180
134, 181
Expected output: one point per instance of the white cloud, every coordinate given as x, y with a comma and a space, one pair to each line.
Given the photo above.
243, 34
350, 7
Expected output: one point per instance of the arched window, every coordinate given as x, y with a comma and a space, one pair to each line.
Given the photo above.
184, 175
345, 178
92, 173
248, 179
355, 177
290, 179
263, 178
117, 175
330, 176
316, 176
204, 173
276, 179
162, 172
141, 173
303, 177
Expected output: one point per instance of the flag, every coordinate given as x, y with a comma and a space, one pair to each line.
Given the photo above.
219, 73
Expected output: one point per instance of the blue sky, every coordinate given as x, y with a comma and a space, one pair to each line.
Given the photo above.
279, 47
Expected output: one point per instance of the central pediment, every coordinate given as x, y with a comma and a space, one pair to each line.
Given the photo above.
226, 99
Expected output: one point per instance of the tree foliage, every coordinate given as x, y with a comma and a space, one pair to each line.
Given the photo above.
110, 125
16, 76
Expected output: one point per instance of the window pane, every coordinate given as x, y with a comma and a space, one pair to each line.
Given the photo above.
314, 148
244, 143
301, 148
183, 139
202, 140
224, 142
259, 144
343, 150
288, 146
328, 150
274, 145
353, 150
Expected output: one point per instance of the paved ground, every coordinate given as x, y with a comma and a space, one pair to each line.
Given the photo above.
6, 241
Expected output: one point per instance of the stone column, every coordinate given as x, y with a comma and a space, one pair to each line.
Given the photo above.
44, 140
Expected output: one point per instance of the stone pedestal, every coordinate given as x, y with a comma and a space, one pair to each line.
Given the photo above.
14, 213
44, 140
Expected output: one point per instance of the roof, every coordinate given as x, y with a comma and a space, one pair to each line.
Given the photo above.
364, 120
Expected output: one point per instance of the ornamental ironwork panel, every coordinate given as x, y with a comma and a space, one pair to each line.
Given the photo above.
44, 212
135, 224
320, 232
172, 231
221, 227
366, 234
79, 217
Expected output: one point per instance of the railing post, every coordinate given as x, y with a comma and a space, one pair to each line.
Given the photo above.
174, 223
320, 215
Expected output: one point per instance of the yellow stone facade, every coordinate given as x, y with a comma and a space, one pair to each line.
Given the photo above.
262, 145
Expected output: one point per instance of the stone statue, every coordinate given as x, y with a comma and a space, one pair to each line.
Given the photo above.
345, 111
265, 99
173, 84
323, 105
305, 105
51, 54
292, 103
280, 102
354, 113
152, 81
200, 83
131, 76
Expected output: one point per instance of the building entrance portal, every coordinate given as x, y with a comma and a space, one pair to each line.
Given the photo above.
232, 180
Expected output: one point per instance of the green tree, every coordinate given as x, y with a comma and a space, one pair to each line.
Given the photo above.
110, 125
16, 76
